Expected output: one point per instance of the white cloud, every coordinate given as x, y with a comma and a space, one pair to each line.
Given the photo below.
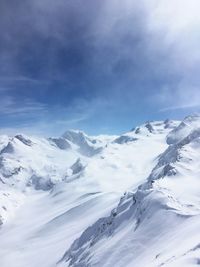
172, 27
176, 24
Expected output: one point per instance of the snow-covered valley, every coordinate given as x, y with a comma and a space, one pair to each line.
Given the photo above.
131, 200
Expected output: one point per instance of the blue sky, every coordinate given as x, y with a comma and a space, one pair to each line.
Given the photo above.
101, 66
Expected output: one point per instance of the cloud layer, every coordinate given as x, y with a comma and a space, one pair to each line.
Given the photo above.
98, 61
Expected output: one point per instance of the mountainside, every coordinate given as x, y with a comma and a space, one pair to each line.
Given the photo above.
131, 200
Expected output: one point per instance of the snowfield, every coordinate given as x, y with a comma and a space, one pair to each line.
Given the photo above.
125, 201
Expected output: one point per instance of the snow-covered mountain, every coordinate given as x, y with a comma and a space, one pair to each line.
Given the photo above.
126, 201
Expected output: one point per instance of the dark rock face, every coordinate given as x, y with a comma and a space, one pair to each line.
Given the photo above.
124, 139
41, 183
24, 140
8, 149
61, 143
77, 167
149, 127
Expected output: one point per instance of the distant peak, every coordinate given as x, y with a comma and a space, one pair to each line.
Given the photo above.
71, 133
192, 117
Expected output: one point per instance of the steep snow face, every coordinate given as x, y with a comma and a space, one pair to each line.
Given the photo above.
155, 225
186, 127
64, 197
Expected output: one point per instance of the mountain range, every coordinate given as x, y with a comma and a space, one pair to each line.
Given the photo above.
125, 201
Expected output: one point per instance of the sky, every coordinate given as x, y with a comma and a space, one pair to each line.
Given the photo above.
97, 65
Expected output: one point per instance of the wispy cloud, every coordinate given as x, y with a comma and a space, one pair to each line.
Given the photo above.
35, 118
182, 97
10, 106
20, 79
177, 107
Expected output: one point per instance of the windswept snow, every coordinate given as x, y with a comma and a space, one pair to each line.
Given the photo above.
123, 201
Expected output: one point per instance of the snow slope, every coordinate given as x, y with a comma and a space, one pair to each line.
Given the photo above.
157, 224
129, 200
